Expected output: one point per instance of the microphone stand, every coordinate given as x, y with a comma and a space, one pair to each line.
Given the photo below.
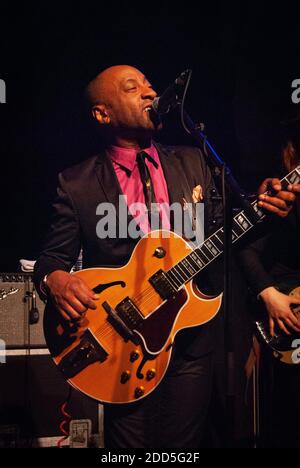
231, 189
232, 185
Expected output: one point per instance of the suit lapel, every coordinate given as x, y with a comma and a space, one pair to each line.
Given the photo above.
109, 183
177, 183
172, 172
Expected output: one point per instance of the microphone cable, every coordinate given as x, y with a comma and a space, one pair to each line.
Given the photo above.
182, 103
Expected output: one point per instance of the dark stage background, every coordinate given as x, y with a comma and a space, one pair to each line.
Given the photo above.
244, 58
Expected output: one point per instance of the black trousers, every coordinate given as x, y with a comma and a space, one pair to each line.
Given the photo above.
285, 416
172, 416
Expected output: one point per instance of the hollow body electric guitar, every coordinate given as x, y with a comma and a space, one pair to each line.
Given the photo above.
284, 347
120, 352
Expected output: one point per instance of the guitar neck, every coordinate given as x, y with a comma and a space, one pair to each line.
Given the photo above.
213, 247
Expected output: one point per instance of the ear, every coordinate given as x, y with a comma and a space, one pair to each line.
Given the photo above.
100, 114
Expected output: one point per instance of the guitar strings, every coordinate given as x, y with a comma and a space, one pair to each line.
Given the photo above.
144, 298
106, 330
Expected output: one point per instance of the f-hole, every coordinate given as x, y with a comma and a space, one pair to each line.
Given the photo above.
101, 287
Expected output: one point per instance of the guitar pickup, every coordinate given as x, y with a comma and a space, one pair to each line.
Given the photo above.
162, 285
122, 324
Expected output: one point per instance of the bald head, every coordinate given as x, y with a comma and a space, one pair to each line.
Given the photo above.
103, 86
120, 99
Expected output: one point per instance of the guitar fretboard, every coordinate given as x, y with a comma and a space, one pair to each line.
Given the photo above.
213, 247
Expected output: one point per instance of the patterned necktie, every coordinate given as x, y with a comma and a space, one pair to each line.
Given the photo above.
146, 180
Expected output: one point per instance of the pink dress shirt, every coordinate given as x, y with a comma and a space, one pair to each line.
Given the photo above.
126, 168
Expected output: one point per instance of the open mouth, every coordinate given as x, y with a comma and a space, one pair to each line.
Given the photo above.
152, 116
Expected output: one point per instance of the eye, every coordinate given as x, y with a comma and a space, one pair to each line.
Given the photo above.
131, 89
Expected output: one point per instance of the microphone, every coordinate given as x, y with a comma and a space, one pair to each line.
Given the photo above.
172, 95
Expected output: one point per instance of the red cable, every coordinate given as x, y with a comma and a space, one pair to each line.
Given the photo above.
62, 429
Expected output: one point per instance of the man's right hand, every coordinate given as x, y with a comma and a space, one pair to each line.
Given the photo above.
70, 294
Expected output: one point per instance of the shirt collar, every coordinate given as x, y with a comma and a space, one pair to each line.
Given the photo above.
126, 157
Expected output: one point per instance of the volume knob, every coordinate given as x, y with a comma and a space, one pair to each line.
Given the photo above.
139, 392
125, 376
134, 356
150, 374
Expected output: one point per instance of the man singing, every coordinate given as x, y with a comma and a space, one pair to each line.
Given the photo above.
120, 100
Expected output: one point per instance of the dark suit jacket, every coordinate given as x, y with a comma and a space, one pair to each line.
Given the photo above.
271, 255
82, 187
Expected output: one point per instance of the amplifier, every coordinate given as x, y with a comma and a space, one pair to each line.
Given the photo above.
32, 388
32, 391
21, 312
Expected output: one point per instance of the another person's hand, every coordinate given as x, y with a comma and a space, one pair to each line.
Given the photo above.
70, 294
279, 309
279, 202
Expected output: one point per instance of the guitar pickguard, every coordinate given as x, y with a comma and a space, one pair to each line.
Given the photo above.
157, 327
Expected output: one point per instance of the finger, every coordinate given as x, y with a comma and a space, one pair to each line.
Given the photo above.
282, 326
90, 293
295, 188
287, 197
69, 310
276, 201
87, 301
271, 326
87, 291
76, 304
295, 320
276, 184
291, 324
264, 186
273, 209
64, 314
295, 301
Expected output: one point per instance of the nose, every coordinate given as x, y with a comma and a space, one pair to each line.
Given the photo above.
148, 93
